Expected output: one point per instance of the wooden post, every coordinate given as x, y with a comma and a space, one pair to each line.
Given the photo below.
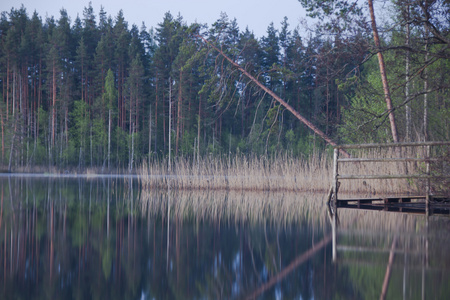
334, 203
335, 174
428, 188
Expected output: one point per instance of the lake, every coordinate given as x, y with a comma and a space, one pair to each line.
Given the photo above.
102, 238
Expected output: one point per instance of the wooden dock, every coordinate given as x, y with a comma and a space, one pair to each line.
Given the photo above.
405, 204
426, 203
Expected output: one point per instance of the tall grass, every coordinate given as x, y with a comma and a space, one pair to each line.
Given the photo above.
255, 173
279, 173
384, 187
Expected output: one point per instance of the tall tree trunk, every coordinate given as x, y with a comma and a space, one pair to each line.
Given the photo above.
131, 132
124, 115
338, 107
407, 85
3, 136
149, 134
136, 123
39, 96
12, 147
25, 94
132, 148
425, 90
7, 90
328, 103
179, 113
119, 97
109, 139
66, 125
164, 121
170, 121
21, 117
131, 109
82, 79
242, 114
90, 143
53, 102
199, 126
14, 93
387, 93
156, 113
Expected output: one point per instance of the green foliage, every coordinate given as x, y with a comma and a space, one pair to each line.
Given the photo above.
80, 123
357, 127
120, 146
99, 139
110, 90
78, 73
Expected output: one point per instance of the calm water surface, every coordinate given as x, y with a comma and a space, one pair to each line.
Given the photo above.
87, 238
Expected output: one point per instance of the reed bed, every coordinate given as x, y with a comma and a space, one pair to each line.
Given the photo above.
283, 173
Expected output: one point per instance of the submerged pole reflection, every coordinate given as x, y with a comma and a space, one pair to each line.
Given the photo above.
168, 227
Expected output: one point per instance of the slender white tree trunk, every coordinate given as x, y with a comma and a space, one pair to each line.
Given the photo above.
170, 122
109, 139
132, 148
12, 147
425, 95
408, 58
149, 134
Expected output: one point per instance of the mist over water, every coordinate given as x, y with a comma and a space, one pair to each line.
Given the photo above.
88, 238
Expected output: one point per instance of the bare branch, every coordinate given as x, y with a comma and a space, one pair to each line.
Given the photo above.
271, 93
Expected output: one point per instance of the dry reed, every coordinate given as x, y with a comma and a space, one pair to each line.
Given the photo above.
281, 173
384, 187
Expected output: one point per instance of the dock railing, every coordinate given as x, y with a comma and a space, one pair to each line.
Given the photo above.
421, 173
426, 158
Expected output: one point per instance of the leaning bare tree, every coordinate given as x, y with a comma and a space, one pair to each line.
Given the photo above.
276, 97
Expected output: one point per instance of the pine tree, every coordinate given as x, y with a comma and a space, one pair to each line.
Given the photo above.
122, 38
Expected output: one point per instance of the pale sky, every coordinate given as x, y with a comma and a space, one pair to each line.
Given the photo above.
256, 14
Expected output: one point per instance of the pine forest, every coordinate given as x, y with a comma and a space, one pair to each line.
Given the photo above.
99, 92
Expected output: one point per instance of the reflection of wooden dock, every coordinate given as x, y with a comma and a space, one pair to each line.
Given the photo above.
426, 204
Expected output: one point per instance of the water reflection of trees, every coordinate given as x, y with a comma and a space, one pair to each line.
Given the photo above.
421, 249
96, 239
79, 239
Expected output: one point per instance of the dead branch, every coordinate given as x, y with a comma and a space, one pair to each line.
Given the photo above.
281, 101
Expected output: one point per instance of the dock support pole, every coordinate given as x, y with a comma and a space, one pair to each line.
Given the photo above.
335, 174
428, 188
